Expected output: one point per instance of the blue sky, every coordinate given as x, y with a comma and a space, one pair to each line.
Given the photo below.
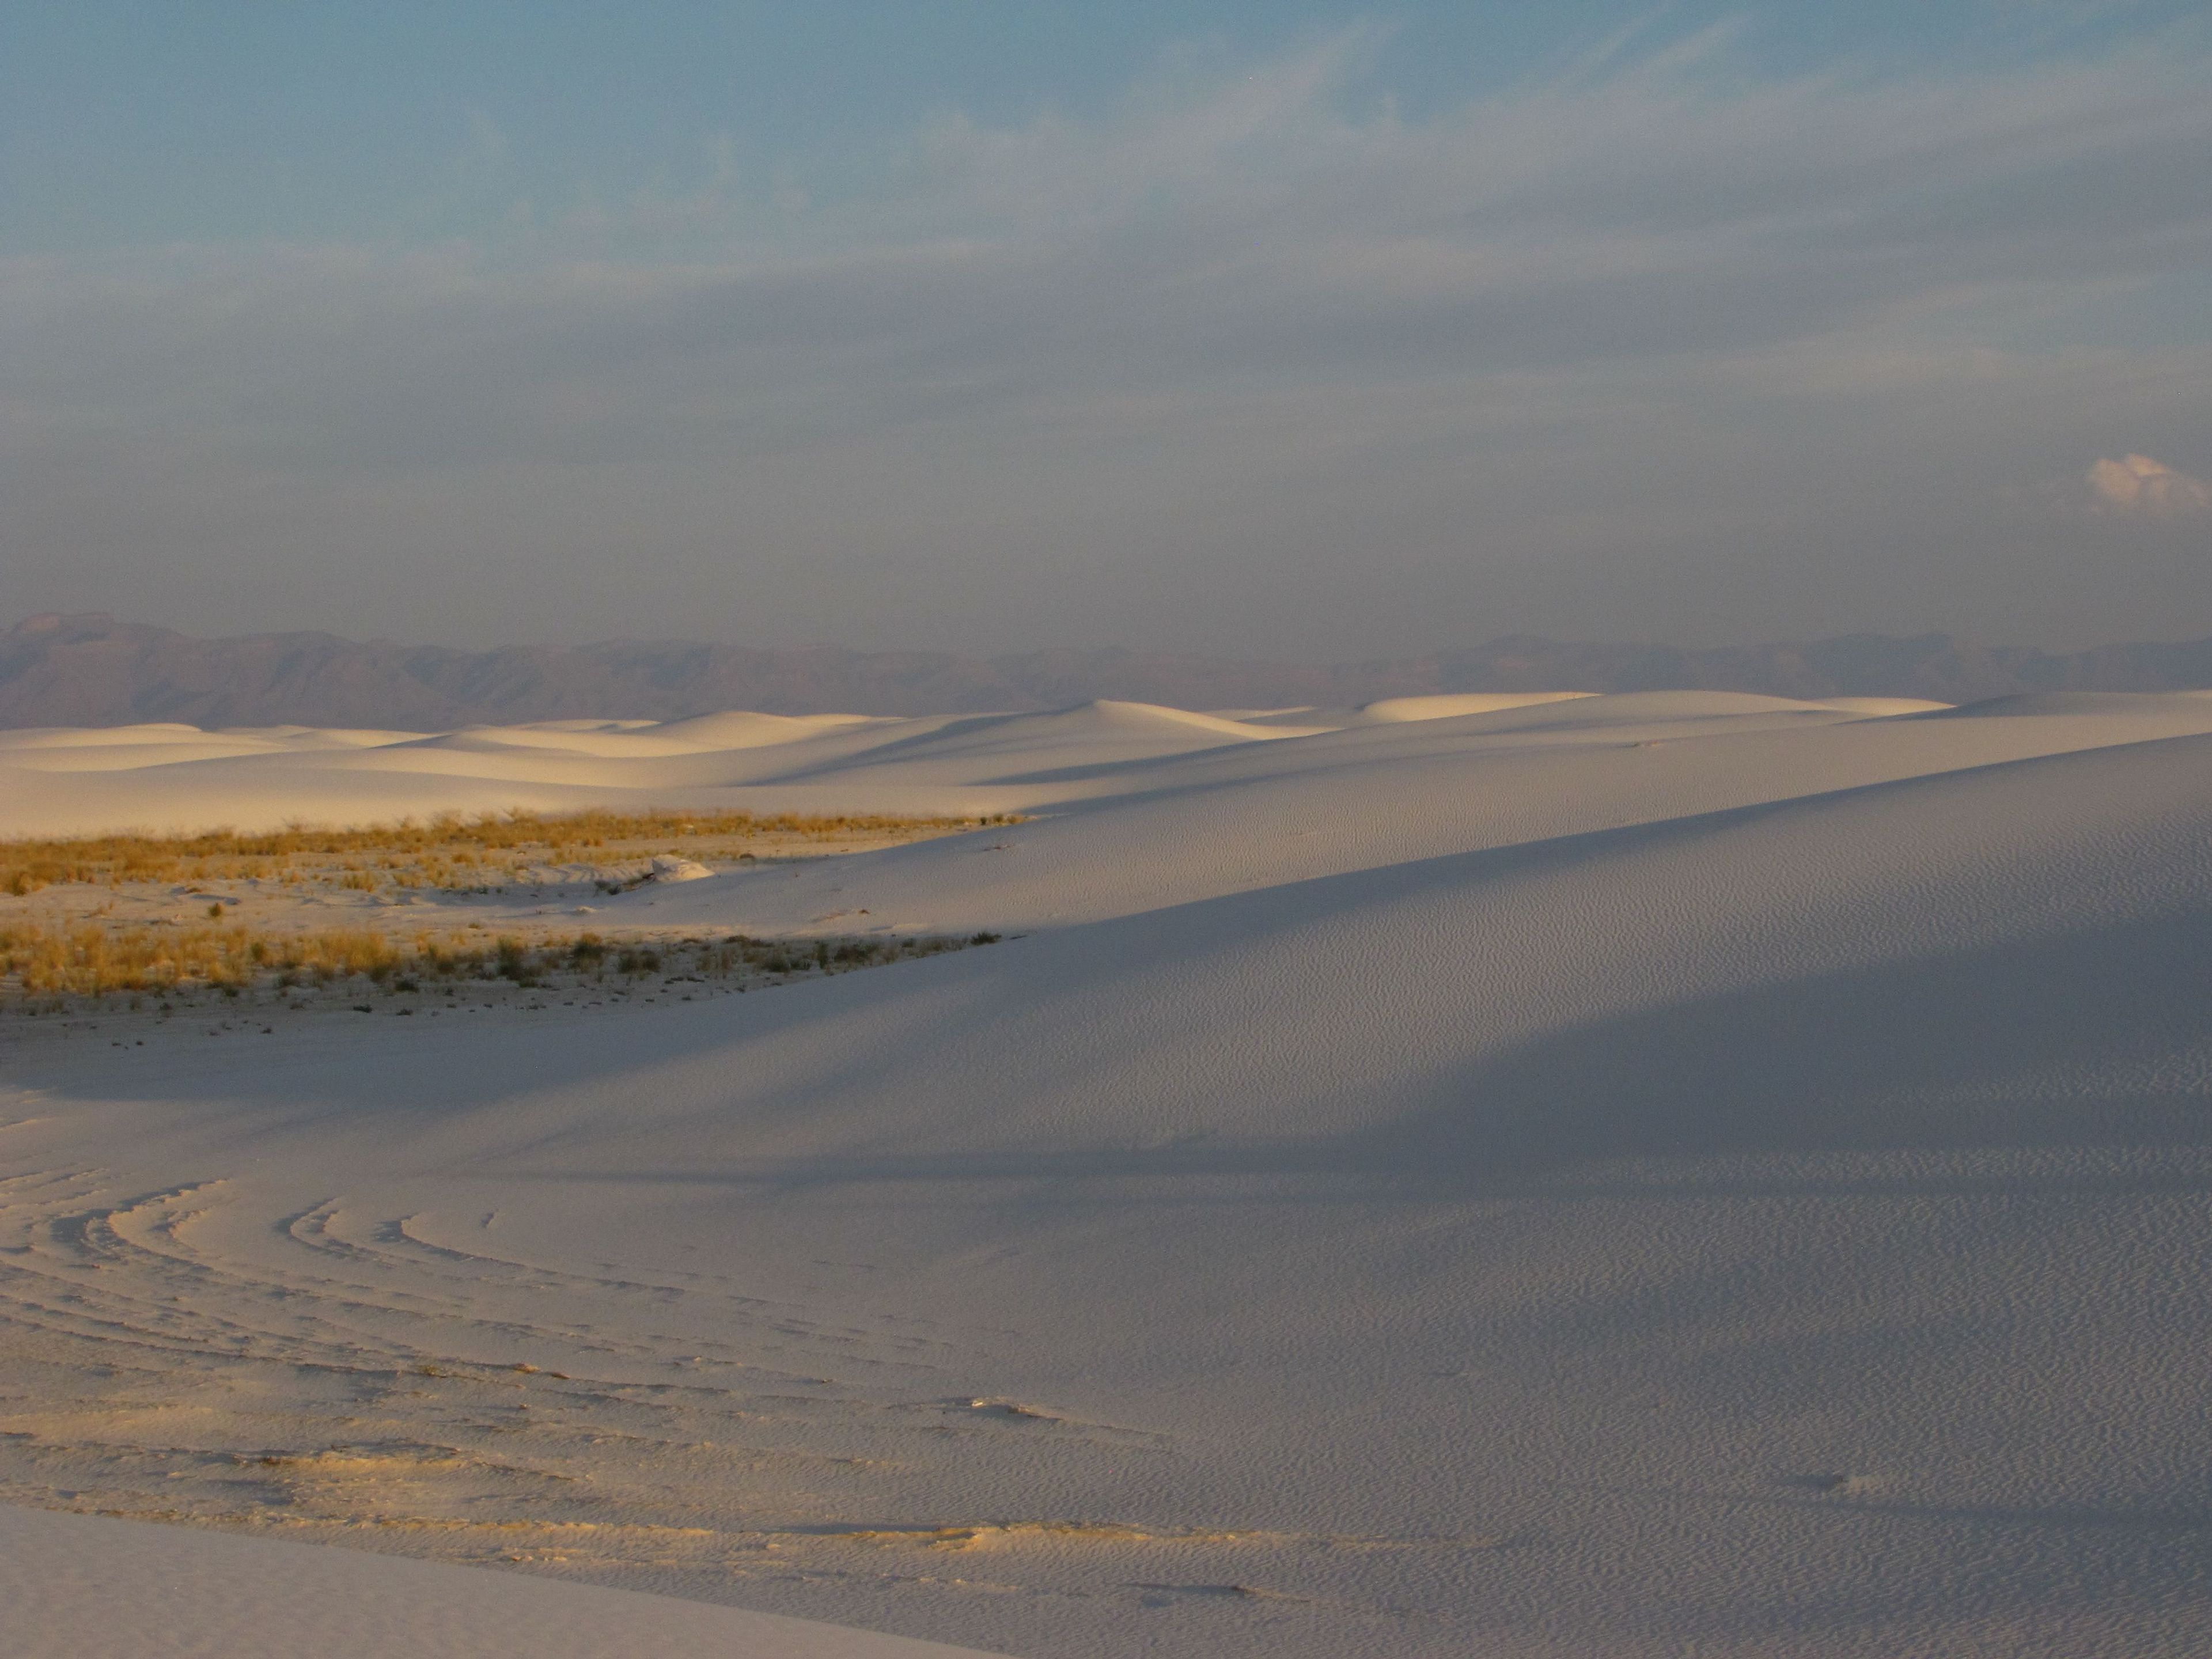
1292, 329
149, 122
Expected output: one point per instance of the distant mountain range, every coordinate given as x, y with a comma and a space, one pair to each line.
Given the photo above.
94, 671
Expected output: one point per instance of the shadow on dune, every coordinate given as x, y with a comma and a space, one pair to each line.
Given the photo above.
2097, 1040
2098, 1037
2084, 1039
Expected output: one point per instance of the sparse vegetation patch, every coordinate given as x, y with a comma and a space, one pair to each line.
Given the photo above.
312, 917
451, 852
92, 962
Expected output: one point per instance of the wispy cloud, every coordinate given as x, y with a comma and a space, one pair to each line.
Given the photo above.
1187, 317
1251, 228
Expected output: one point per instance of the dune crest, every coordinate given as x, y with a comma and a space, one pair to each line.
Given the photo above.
1470, 703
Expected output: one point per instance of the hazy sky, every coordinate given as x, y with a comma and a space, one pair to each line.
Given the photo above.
1283, 329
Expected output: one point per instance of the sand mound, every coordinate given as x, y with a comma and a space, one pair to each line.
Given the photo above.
704, 733
1468, 702
645, 739
1881, 707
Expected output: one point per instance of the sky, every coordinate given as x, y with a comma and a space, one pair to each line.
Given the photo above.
1292, 330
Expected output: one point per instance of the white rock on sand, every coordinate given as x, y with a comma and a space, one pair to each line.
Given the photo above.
1612, 1176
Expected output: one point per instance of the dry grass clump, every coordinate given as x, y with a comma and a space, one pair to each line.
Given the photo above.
93, 961
90, 960
444, 852
738, 956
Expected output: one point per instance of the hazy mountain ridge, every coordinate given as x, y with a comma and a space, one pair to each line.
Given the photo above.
91, 670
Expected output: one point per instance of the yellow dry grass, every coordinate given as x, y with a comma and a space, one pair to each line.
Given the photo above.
90, 960
443, 853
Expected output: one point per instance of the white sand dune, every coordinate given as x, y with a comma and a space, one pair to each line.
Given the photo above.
645, 739
1465, 703
1882, 705
1634, 1176
1174, 828
64, 783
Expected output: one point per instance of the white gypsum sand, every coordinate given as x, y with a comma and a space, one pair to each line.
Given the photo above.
87, 1587
1604, 1176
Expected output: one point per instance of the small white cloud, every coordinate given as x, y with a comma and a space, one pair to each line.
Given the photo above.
2137, 483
